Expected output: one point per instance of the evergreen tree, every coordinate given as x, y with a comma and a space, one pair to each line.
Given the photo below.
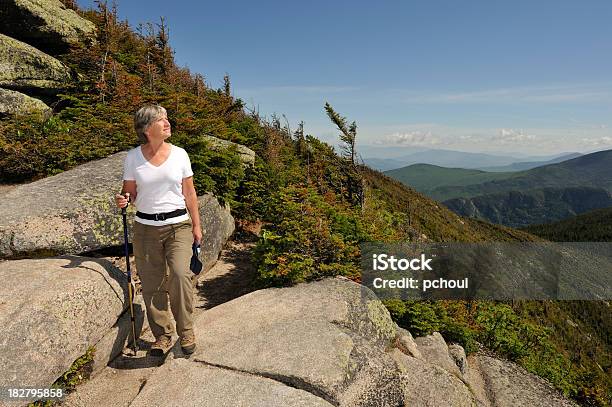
349, 134
355, 182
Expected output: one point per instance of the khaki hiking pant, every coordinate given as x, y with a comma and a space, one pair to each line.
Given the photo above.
162, 255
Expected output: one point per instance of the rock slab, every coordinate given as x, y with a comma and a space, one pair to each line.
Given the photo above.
13, 103
52, 310
247, 156
24, 67
45, 24
74, 212
506, 384
186, 383
435, 350
329, 342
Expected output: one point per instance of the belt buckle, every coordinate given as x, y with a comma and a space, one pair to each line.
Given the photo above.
160, 216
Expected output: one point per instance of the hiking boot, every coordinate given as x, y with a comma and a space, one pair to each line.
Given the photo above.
161, 346
188, 344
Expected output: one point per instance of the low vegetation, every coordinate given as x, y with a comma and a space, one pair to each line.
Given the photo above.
316, 205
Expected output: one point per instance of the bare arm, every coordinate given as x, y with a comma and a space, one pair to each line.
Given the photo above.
128, 187
191, 201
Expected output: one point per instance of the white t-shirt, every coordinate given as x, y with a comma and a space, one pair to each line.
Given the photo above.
158, 189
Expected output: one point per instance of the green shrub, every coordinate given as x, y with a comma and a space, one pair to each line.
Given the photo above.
312, 237
219, 171
254, 192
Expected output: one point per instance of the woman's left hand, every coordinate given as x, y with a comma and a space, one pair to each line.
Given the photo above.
197, 234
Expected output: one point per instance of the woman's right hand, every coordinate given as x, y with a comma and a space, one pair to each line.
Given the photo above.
122, 201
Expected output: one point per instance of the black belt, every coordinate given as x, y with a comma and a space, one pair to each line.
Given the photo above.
161, 216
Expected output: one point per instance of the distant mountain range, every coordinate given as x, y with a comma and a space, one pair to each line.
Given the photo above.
593, 170
539, 195
385, 159
527, 165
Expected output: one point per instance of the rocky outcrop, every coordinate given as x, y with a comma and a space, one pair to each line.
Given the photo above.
329, 342
332, 339
435, 350
406, 343
425, 384
457, 353
327, 321
45, 24
13, 102
218, 225
51, 311
74, 212
23, 67
500, 383
247, 156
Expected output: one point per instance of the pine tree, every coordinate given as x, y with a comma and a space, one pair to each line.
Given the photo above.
227, 89
349, 134
355, 180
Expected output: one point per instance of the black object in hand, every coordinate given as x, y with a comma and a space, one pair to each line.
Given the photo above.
195, 265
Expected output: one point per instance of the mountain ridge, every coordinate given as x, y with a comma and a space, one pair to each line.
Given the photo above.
594, 170
522, 208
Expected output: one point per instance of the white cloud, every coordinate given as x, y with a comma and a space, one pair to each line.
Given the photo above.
597, 141
508, 136
411, 138
472, 138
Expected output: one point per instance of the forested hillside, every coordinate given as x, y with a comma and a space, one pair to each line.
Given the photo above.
316, 205
522, 208
594, 226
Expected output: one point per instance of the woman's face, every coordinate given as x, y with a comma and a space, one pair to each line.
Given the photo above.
159, 129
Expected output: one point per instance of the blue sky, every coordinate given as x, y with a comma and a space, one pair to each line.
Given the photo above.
533, 77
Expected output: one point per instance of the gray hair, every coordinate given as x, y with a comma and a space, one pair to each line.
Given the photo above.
144, 117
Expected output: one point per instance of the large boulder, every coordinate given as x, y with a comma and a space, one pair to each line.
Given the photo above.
314, 336
502, 383
45, 24
23, 67
329, 342
74, 212
247, 156
217, 224
13, 102
435, 350
330, 338
426, 385
52, 310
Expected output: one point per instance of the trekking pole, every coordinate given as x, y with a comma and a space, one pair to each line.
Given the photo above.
129, 273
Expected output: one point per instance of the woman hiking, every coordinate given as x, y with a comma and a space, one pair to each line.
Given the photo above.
157, 177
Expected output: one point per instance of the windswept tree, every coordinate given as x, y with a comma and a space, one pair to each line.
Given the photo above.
227, 87
348, 136
348, 133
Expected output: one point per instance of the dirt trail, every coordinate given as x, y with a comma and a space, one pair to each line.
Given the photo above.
120, 382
